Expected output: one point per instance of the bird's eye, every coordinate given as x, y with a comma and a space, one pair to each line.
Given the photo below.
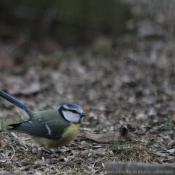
74, 111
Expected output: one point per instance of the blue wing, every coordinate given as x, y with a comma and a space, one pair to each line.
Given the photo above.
47, 124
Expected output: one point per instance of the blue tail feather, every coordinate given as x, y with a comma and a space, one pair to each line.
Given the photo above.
15, 102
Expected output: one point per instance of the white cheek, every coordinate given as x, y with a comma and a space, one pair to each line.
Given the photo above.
72, 117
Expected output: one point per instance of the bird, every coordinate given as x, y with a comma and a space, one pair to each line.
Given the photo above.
49, 128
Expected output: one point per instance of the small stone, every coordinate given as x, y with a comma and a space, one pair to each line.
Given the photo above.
152, 112
40, 162
171, 151
141, 116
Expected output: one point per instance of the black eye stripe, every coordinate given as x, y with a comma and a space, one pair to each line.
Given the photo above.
72, 110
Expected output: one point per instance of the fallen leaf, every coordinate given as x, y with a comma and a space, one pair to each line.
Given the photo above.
111, 136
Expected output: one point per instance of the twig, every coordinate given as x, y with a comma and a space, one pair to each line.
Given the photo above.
13, 153
70, 160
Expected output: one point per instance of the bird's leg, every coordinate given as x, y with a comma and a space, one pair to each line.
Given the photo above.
46, 149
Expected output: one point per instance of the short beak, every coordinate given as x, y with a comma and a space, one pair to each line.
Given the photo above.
83, 115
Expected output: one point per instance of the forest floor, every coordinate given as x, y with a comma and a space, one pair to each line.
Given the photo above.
126, 88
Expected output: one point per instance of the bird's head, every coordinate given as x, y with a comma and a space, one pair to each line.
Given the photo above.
72, 112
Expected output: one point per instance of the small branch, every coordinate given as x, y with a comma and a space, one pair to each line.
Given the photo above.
13, 152
70, 160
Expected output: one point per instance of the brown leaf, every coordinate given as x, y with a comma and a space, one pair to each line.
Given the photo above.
111, 136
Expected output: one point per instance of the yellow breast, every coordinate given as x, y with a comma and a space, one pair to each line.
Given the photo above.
67, 137
71, 132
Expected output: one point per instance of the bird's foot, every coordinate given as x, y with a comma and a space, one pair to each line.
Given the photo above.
49, 151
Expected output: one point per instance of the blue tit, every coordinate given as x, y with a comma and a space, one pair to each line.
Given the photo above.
51, 128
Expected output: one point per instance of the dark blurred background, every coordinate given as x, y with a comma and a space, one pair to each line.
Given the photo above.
29, 29
69, 23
